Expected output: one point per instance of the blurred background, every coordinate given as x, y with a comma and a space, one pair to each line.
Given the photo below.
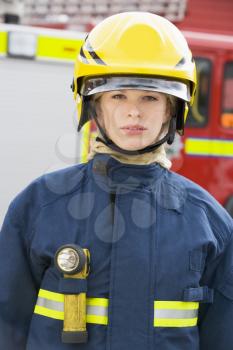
39, 40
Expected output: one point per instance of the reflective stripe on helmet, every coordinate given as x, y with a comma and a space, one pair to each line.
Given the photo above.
91, 54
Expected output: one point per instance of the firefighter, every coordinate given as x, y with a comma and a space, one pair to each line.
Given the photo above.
161, 249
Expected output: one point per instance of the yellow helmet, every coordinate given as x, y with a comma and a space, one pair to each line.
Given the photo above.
144, 48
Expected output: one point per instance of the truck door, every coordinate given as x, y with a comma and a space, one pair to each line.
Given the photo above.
223, 179
191, 161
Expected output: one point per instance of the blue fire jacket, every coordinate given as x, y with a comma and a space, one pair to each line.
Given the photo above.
161, 261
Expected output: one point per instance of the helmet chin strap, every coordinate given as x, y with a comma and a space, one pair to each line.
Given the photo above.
169, 138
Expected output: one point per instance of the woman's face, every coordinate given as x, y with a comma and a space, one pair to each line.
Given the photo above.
132, 119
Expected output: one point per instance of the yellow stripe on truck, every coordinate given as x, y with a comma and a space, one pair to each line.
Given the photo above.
3, 43
209, 147
57, 48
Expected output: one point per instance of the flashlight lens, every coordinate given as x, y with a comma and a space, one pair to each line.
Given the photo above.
68, 260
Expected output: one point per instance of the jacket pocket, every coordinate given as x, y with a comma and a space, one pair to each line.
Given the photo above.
197, 259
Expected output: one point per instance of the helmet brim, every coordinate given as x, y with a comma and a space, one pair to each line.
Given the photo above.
96, 85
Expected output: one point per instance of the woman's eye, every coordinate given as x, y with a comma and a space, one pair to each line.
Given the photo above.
118, 97
150, 98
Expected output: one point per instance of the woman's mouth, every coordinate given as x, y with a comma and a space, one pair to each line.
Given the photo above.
133, 129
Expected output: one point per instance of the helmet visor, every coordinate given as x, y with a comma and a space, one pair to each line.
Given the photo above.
109, 83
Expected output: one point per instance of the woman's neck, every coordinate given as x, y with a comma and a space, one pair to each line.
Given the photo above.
157, 156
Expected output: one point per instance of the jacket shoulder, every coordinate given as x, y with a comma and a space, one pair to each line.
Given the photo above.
197, 198
46, 189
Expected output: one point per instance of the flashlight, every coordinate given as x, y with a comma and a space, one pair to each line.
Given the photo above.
74, 262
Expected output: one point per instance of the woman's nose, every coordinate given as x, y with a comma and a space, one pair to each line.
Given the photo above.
133, 110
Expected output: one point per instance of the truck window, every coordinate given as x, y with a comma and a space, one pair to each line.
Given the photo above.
227, 97
198, 114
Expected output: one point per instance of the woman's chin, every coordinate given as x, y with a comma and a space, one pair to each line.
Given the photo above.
131, 146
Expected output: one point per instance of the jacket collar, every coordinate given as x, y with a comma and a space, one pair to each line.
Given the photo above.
109, 171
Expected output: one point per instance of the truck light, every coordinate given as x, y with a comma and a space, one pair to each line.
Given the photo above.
22, 44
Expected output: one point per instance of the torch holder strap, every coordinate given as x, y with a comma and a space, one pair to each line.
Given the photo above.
72, 285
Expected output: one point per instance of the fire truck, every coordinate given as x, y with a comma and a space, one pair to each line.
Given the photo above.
205, 153
38, 117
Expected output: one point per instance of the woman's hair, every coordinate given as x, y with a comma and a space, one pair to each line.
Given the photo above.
172, 104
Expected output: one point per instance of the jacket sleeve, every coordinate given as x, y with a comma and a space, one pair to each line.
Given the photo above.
18, 287
216, 327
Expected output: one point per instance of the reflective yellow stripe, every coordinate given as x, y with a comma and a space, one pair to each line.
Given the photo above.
178, 305
97, 319
175, 313
163, 322
3, 43
51, 304
97, 302
51, 295
49, 46
48, 312
209, 147
44, 311
87, 55
58, 48
166, 313
85, 143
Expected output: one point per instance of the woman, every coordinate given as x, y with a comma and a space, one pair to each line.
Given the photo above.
161, 257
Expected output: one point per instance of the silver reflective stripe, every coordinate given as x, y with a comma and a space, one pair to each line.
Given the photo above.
50, 304
171, 313
59, 306
97, 310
